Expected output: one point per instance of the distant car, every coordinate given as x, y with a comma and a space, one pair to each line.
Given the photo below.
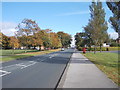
62, 49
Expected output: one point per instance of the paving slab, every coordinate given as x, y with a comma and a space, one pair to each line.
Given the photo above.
82, 73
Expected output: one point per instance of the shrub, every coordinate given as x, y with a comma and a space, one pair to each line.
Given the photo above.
98, 48
79, 48
114, 44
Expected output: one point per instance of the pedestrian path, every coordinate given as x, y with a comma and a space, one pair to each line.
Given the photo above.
82, 73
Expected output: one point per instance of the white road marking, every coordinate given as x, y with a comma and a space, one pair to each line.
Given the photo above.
53, 55
5, 73
10, 66
28, 65
42, 60
50, 57
31, 61
7, 66
20, 65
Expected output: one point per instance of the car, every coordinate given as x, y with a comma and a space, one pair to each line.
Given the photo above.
62, 49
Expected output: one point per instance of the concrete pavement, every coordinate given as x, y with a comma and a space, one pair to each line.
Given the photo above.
82, 73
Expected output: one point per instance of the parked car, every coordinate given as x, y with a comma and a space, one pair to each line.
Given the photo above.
62, 49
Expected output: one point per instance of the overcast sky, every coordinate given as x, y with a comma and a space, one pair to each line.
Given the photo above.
69, 17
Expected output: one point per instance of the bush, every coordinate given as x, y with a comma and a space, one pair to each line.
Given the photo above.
114, 44
98, 48
79, 48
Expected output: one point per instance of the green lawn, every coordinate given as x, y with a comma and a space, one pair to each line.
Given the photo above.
11, 52
106, 62
20, 54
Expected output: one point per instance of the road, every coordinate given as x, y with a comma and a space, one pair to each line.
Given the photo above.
42, 71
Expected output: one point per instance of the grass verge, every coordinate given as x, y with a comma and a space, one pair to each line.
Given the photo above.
12, 52
108, 63
23, 55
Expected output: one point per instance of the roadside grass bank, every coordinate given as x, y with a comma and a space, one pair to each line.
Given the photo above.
107, 63
24, 55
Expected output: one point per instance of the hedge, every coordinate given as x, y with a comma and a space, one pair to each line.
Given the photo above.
103, 48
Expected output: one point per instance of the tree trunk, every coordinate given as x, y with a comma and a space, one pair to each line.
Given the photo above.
89, 48
94, 49
100, 48
39, 48
26, 44
13, 51
25, 48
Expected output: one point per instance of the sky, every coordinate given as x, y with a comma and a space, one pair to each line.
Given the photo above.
69, 17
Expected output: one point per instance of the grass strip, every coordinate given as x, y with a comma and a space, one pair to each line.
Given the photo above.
24, 55
107, 63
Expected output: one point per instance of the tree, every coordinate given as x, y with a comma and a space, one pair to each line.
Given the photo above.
97, 25
48, 31
88, 35
46, 39
55, 41
30, 41
65, 39
41, 38
115, 19
22, 40
26, 28
0, 40
103, 38
79, 37
5, 41
14, 43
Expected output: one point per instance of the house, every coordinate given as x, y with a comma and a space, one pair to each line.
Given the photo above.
22, 47
42, 47
118, 40
105, 45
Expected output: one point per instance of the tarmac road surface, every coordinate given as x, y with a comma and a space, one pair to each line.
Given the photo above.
42, 71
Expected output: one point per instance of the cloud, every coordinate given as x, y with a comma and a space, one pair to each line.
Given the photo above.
74, 13
8, 28
113, 35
